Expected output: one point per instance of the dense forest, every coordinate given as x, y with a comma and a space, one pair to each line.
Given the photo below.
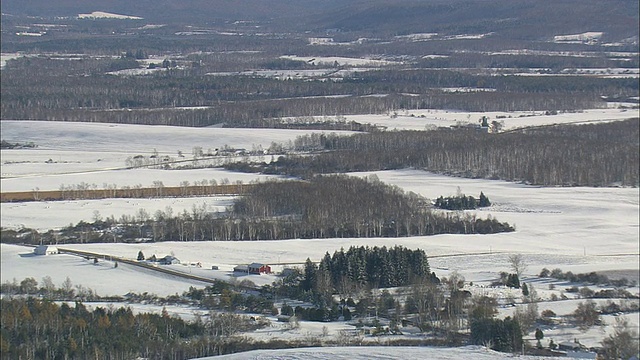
79, 91
569, 155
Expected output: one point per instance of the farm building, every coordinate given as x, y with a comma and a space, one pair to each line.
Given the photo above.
168, 260
45, 250
254, 268
241, 269
258, 268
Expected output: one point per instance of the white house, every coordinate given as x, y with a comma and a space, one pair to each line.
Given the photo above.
45, 250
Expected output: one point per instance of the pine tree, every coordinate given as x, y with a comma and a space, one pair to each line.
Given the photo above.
484, 201
539, 336
310, 270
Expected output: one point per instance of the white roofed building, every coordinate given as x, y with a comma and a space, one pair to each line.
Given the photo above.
45, 250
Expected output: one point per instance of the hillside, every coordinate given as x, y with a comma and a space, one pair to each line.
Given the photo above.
527, 19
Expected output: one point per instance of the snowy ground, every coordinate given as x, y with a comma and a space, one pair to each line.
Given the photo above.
71, 153
575, 229
376, 353
18, 263
568, 332
45, 215
421, 119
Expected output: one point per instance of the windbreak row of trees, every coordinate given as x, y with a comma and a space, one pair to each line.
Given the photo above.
586, 155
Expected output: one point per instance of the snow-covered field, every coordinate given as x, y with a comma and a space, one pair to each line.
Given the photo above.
331, 60
421, 119
375, 353
568, 332
18, 263
107, 15
70, 153
575, 229
45, 215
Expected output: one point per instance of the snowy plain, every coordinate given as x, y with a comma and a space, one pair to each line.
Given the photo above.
575, 229
375, 353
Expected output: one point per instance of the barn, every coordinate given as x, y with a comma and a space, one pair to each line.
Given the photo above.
258, 268
45, 250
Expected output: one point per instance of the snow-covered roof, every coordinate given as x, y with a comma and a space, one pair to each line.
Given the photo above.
45, 248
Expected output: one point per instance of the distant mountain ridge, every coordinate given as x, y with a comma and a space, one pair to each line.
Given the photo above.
523, 19
526, 19
171, 9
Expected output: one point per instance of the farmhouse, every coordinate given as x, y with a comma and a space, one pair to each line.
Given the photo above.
168, 260
570, 346
241, 269
45, 250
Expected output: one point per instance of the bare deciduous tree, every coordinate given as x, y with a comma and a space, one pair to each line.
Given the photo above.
623, 343
517, 264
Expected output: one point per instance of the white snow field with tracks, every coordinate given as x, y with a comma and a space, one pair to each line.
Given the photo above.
577, 229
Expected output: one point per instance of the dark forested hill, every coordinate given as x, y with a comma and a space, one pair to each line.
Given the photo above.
173, 10
525, 19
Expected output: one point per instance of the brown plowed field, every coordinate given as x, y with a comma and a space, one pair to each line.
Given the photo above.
177, 191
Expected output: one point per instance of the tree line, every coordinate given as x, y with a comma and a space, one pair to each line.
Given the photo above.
568, 155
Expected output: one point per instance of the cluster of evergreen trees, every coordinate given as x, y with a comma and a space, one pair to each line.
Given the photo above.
462, 202
352, 272
376, 267
503, 335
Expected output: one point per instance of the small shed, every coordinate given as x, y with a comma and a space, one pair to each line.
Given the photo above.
258, 268
45, 250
